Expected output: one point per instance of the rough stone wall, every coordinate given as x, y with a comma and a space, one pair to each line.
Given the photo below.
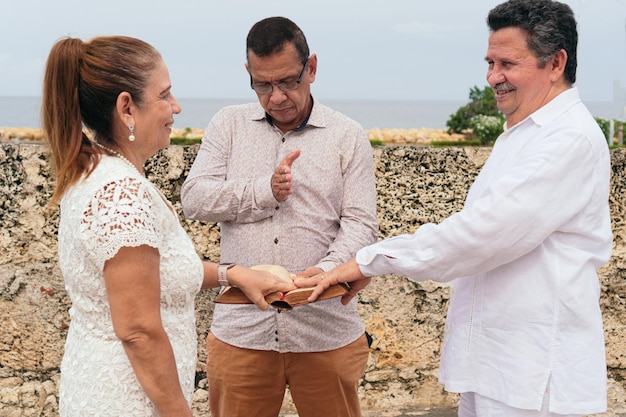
415, 185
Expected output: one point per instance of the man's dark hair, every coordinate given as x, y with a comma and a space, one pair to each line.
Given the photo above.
270, 35
550, 27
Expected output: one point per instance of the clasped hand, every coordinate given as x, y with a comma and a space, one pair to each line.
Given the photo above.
257, 284
348, 272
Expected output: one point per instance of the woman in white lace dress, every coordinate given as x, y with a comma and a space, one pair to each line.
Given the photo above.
129, 268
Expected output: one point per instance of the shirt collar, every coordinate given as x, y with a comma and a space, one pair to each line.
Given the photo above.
551, 110
313, 118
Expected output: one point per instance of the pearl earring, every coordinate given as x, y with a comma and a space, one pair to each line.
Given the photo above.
131, 137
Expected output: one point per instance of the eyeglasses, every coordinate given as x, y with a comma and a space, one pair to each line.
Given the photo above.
284, 86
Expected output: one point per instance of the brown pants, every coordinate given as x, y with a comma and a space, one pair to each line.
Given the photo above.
246, 383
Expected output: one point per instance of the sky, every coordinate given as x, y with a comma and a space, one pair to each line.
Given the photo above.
366, 49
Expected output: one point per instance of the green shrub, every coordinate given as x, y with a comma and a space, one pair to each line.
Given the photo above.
487, 128
605, 126
451, 143
377, 142
481, 102
184, 141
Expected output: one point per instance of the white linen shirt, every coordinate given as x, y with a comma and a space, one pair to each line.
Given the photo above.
524, 312
330, 215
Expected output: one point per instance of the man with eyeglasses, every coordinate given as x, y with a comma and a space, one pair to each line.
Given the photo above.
292, 183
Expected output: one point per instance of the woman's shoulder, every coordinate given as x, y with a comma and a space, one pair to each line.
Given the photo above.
111, 175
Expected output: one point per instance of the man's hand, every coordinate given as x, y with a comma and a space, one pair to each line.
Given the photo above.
281, 178
346, 272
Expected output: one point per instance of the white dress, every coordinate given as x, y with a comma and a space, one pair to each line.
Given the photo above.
113, 208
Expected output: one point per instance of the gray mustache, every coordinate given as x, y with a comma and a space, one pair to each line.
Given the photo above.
504, 86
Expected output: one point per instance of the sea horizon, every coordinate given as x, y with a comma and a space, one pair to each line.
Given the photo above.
394, 114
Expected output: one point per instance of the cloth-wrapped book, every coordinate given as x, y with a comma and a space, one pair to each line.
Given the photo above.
282, 300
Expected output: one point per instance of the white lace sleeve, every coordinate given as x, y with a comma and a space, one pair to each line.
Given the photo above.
119, 214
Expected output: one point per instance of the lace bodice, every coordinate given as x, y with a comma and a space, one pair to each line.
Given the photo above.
113, 208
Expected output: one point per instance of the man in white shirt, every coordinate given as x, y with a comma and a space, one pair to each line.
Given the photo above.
524, 332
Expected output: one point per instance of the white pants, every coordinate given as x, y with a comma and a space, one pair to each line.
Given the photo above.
475, 405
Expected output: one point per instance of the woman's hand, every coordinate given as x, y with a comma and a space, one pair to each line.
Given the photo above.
256, 284
347, 272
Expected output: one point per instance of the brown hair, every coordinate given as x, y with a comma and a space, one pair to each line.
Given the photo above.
82, 82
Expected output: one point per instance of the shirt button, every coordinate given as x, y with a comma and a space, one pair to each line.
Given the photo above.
283, 140
277, 207
276, 241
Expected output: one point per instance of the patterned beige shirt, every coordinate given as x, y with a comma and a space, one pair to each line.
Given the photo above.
330, 215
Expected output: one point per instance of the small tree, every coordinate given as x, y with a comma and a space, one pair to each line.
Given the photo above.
482, 102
